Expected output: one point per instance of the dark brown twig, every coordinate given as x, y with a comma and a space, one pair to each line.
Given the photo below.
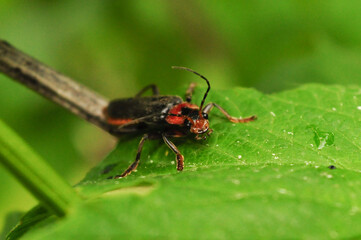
58, 88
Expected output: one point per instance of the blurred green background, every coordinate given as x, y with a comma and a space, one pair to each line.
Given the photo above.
117, 47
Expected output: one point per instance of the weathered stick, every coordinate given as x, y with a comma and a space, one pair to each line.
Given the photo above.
58, 88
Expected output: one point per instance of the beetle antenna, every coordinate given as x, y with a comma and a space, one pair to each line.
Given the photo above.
209, 86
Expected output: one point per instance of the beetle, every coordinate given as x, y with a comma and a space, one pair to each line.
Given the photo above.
163, 117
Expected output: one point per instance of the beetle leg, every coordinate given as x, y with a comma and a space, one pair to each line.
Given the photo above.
134, 165
180, 158
154, 88
210, 106
190, 91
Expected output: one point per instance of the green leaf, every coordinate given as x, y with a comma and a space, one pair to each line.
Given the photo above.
266, 179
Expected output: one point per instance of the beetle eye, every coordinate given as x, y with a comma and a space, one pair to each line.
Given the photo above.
205, 115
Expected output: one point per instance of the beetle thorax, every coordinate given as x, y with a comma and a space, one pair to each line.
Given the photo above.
182, 110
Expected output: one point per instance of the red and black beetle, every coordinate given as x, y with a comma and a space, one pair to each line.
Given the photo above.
163, 117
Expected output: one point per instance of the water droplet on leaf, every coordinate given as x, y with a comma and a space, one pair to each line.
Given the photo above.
322, 138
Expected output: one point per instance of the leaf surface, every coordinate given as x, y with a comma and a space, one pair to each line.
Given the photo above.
293, 173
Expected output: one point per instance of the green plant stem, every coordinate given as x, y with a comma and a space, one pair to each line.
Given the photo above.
34, 173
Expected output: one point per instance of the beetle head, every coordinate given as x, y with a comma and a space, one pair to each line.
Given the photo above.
197, 124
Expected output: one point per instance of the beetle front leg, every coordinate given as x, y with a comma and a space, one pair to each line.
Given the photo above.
210, 106
134, 165
180, 158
